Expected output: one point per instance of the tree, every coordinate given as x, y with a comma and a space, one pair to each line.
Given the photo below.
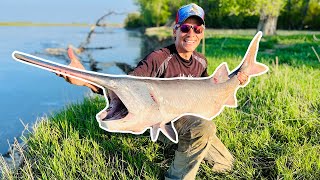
265, 15
154, 13
269, 11
304, 12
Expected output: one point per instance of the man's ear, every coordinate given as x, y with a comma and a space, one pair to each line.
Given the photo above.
174, 32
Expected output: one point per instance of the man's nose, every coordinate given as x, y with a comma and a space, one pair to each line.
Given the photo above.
191, 32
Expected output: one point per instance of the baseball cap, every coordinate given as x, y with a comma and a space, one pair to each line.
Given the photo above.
189, 10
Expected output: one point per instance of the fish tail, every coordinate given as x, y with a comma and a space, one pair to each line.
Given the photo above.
249, 65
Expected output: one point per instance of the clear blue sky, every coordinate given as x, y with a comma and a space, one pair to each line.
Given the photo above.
63, 11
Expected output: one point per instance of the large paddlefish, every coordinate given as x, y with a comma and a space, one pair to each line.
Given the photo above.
152, 103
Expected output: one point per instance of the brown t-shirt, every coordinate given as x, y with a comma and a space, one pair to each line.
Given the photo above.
167, 63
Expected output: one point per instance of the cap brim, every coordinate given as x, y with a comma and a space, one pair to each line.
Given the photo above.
198, 17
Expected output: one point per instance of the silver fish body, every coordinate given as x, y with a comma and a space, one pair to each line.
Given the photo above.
152, 103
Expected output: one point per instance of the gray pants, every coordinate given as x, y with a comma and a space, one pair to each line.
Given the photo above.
197, 142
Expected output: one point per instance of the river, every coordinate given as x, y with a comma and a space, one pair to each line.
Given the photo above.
27, 92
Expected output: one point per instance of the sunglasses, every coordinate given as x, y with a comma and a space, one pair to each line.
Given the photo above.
185, 28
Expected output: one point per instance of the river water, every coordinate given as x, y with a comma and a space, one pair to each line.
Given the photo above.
27, 92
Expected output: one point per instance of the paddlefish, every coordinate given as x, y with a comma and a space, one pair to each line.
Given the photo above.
155, 103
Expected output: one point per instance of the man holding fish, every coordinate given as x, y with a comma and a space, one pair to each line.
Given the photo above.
197, 137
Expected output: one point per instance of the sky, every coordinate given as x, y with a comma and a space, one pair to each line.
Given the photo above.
63, 11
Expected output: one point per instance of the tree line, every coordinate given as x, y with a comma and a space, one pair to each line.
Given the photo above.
264, 15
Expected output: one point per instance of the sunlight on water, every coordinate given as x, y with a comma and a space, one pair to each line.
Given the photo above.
27, 92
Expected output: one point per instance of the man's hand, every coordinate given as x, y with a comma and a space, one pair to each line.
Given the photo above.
77, 64
242, 77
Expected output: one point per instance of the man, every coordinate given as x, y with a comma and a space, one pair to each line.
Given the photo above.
197, 137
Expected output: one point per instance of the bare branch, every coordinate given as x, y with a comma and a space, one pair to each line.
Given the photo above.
98, 23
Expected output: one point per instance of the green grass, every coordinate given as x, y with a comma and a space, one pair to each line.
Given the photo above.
275, 131
273, 134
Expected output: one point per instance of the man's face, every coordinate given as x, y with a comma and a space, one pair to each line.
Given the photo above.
188, 41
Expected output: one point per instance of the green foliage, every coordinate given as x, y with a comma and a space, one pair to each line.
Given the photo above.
133, 20
155, 13
269, 8
312, 21
229, 14
237, 13
293, 17
275, 131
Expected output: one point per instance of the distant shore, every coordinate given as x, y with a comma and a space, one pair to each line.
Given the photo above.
44, 24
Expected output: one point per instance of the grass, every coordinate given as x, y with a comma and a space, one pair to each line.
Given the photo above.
273, 134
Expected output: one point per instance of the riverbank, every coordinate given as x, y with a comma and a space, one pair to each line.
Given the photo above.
13, 159
274, 133
22, 82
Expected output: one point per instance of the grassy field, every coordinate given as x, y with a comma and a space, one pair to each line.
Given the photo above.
273, 134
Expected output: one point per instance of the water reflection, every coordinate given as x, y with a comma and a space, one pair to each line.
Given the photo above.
93, 64
86, 52
29, 92
88, 60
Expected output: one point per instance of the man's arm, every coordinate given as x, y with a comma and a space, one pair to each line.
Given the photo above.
77, 64
205, 73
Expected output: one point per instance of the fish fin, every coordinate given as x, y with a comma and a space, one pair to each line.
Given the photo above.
221, 74
249, 65
169, 131
258, 69
231, 101
154, 132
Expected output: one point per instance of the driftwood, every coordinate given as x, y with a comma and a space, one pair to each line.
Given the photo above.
83, 45
62, 51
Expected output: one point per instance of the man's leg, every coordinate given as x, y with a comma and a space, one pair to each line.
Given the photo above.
195, 135
219, 156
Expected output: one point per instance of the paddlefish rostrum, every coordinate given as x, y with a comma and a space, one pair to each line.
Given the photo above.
155, 103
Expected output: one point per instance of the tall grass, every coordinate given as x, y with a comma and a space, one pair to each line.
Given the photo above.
275, 131
273, 134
